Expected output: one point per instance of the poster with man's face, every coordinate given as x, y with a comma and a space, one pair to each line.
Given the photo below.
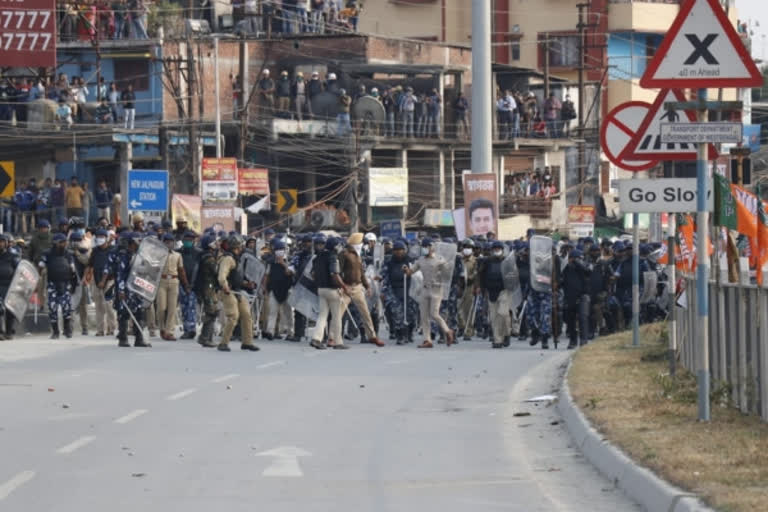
480, 204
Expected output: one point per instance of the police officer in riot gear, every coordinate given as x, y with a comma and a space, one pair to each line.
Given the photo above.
190, 258
8, 263
60, 267
206, 286
236, 307
129, 306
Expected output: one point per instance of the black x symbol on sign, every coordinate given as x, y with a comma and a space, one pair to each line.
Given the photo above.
701, 49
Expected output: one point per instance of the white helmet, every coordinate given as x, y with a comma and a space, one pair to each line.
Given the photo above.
331, 76
370, 237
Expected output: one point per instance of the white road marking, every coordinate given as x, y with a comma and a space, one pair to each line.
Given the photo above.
224, 378
398, 361
285, 463
182, 394
131, 416
76, 445
269, 365
14, 483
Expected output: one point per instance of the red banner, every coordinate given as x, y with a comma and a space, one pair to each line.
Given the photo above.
28, 33
253, 182
219, 169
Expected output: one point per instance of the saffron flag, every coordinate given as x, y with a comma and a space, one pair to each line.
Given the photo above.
762, 239
735, 208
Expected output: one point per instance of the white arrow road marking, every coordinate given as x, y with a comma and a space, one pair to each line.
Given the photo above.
14, 483
181, 394
285, 463
131, 416
269, 365
224, 378
75, 445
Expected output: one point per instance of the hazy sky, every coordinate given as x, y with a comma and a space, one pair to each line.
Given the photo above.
756, 11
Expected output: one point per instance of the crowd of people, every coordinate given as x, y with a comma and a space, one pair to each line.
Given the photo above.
522, 115
530, 185
327, 290
71, 96
102, 19
55, 200
408, 113
287, 17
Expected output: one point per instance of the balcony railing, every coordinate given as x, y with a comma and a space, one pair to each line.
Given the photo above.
536, 207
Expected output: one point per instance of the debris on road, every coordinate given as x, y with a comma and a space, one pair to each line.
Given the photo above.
543, 398
521, 414
138, 475
51, 390
65, 406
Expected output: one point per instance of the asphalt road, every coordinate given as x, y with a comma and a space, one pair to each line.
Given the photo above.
87, 426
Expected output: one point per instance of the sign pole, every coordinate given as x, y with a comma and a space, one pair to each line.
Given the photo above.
635, 277
672, 223
702, 271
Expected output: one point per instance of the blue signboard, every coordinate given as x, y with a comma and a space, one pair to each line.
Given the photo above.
391, 229
147, 190
752, 137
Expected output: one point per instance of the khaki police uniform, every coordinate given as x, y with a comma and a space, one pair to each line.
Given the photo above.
234, 306
168, 293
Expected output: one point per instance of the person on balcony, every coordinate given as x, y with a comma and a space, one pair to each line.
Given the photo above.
460, 107
552, 108
283, 89
138, 16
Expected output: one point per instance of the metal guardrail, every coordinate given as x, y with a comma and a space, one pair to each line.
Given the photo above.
738, 342
536, 207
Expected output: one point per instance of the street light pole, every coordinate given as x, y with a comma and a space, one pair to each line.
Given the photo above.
482, 88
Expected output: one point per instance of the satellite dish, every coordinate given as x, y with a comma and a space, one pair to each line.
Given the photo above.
368, 108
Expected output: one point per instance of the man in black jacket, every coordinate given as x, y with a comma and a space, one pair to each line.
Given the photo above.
574, 281
491, 278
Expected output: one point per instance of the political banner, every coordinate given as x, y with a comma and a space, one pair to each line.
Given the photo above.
481, 211
219, 180
188, 208
253, 182
220, 218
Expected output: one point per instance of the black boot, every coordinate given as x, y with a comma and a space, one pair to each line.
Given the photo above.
545, 342
68, 327
122, 335
534, 338
139, 340
55, 331
188, 335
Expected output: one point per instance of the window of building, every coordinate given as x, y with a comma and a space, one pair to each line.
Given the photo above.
514, 49
132, 71
563, 51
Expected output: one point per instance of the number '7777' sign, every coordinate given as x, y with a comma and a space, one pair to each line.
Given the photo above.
28, 33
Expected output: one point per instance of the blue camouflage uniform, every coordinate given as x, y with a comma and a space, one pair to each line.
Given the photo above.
401, 322
449, 308
133, 303
190, 257
538, 312
60, 268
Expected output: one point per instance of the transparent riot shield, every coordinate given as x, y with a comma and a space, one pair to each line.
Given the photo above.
511, 278
541, 263
650, 279
23, 286
252, 268
414, 250
446, 252
303, 297
417, 286
372, 298
378, 256
146, 269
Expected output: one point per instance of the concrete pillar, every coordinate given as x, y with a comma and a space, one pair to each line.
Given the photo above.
452, 189
401, 160
441, 177
126, 164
